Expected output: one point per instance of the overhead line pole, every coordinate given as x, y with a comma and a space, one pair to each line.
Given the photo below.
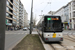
31, 22
2, 23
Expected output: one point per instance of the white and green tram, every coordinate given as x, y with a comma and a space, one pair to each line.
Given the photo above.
52, 28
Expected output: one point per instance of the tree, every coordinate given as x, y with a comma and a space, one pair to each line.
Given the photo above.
34, 21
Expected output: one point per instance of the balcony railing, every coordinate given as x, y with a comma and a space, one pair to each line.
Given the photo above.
73, 15
73, 8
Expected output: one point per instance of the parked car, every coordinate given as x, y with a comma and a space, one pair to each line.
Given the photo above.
25, 28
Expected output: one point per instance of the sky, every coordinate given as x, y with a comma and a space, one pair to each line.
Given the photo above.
41, 7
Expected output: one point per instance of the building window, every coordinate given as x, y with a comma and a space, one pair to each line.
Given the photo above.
7, 8
7, 14
70, 20
11, 1
7, 3
73, 14
14, 9
73, 2
14, 17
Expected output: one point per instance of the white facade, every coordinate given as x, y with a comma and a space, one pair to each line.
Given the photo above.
51, 12
72, 15
25, 18
60, 12
21, 14
67, 14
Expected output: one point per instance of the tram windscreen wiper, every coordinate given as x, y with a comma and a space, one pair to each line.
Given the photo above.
53, 26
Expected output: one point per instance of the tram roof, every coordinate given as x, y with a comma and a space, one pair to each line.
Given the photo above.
51, 15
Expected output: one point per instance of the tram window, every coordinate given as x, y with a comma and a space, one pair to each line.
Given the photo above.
52, 24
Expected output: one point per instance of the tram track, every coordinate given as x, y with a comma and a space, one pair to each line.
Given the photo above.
71, 34
58, 47
61, 47
55, 46
69, 37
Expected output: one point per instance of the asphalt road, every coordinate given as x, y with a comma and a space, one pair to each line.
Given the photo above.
13, 37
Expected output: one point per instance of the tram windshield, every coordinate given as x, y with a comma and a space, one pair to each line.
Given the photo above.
52, 25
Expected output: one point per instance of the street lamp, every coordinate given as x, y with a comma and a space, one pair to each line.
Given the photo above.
31, 17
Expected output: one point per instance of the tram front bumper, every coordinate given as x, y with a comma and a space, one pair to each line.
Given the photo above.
53, 39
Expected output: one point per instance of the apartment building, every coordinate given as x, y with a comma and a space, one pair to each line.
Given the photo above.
14, 14
60, 12
9, 14
67, 14
16, 11
21, 14
51, 12
25, 18
63, 13
72, 14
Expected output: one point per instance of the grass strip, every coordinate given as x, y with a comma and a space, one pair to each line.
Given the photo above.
30, 42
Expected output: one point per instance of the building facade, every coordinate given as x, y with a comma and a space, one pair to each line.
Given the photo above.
67, 14
51, 12
20, 14
14, 14
9, 14
25, 18
60, 12
72, 14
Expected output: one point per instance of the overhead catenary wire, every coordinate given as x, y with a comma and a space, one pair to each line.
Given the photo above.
47, 3
39, 4
45, 7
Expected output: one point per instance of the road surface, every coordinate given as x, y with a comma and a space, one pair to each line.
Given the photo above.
13, 37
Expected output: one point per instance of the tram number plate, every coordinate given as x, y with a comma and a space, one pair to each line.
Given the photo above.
54, 35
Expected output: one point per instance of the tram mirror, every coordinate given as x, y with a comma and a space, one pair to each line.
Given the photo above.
62, 25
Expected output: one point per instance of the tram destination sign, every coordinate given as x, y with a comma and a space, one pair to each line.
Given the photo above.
52, 18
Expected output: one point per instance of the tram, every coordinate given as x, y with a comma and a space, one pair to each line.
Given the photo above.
51, 28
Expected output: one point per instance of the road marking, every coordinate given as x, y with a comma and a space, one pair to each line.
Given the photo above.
14, 33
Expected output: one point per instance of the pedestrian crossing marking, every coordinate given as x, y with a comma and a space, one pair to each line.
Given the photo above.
14, 33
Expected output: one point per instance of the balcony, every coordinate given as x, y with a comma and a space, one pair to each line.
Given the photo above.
14, 20
73, 8
9, 7
9, 12
9, 18
10, 2
73, 18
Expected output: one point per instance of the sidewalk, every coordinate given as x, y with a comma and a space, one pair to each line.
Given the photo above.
34, 32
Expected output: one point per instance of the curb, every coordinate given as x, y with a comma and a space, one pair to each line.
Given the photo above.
46, 46
42, 42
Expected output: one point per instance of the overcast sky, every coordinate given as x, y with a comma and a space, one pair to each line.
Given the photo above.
43, 5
